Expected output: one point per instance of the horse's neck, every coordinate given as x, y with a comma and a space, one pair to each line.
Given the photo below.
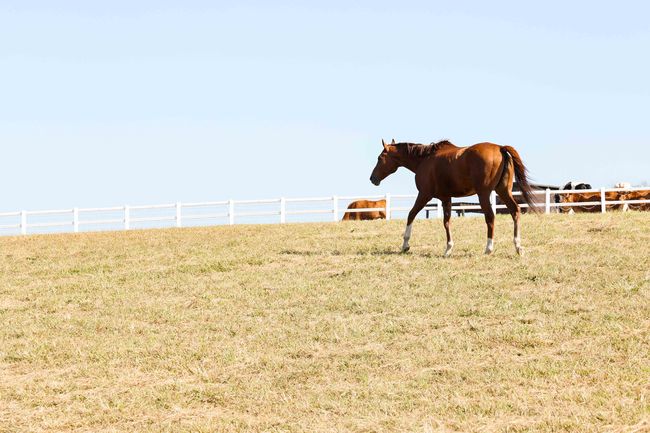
413, 162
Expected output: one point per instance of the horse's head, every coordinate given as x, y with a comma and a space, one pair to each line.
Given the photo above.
387, 163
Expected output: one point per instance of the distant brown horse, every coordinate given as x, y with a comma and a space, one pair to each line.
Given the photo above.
593, 197
443, 171
366, 215
638, 195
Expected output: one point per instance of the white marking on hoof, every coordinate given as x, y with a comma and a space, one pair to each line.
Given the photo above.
407, 236
518, 247
450, 246
489, 248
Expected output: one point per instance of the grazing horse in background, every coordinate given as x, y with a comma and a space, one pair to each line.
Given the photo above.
443, 170
593, 197
577, 185
366, 215
637, 195
573, 185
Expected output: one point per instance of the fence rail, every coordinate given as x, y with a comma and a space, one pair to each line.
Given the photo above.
273, 210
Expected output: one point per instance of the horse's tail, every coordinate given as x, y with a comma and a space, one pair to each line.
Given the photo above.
521, 175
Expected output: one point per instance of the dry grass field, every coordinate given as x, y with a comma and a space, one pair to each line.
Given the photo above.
325, 328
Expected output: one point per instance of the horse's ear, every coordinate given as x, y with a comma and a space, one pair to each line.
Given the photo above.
393, 142
383, 143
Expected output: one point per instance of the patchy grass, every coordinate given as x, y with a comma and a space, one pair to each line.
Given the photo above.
324, 327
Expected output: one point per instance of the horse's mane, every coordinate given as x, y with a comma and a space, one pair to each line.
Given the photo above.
422, 150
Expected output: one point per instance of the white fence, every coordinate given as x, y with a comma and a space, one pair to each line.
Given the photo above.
280, 210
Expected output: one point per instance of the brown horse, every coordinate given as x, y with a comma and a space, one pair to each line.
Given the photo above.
638, 195
366, 215
593, 197
443, 171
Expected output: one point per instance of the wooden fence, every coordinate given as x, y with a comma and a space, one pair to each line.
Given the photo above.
234, 211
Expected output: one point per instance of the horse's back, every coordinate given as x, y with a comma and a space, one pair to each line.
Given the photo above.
484, 149
464, 171
478, 151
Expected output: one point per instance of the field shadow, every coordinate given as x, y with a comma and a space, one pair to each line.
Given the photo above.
307, 253
382, 252
428, 254
373, 252
379, 252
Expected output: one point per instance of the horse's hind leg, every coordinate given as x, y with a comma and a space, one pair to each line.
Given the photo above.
486, 207
513, 208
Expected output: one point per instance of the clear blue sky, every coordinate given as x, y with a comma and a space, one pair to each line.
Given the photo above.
139, 102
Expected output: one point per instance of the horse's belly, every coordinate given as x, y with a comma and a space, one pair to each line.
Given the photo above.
454, 188
446, 177
463, 192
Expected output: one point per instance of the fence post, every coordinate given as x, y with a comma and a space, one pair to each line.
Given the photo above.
23, 222
603, 207
335, 208
127, 217
493, 201
439, 208
547, 201
75, 219
283, 210
231, 212
178, 214
387, 206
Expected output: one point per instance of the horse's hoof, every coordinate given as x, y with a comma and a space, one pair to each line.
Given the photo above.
405, 250
520, 251
489, 248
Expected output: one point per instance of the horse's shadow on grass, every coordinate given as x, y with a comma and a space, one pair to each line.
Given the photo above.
292, 252
423, 253
374, 252
380, 252
377, 252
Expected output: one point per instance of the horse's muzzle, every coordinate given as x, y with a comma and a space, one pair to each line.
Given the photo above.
374, 180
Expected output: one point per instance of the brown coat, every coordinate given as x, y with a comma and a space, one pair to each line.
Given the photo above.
637, 195
370, 215
590, 197
443, 170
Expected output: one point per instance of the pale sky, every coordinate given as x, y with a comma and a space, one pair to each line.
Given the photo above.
145, 102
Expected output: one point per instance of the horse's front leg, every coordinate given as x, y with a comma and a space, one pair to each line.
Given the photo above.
419, 204
407, 236
446, 208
